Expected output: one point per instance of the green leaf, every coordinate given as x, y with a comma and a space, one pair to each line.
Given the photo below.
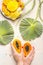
30, 29
6, 32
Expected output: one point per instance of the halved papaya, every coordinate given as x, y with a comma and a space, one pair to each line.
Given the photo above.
27, 48
17, 45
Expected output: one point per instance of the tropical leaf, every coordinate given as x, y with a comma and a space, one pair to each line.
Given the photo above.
30, 29
6, 32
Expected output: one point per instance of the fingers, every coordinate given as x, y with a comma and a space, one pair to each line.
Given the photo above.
21, 56
13, 50
32, 55
32, 52
16, 46
15, 54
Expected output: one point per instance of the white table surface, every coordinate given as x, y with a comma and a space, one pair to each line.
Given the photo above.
6, 57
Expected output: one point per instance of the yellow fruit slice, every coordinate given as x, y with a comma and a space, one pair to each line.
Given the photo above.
10, 8
6, 1
12, 5
6, 12
17, 45
27, 48
15, 15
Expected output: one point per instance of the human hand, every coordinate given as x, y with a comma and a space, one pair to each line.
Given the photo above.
20, 58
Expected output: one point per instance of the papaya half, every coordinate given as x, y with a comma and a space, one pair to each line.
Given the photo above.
17, 45
27, 48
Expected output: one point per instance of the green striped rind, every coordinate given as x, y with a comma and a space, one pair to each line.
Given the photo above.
6, 32
30, 29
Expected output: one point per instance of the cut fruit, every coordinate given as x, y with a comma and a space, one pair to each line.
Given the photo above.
15, 15
6, 1
27, 48
6, 12
12, 5
10, 8
17, 45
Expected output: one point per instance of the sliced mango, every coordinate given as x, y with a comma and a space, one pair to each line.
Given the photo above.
12, 5
6, 12
15, 15
10, 8
6, 1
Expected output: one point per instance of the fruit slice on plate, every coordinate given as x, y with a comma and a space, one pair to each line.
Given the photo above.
27, 48
6, 1
17, 45
6, 32
12, 6
15, 14
6, 12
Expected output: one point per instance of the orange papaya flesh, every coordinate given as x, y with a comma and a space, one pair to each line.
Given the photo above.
27, 48
17, 45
